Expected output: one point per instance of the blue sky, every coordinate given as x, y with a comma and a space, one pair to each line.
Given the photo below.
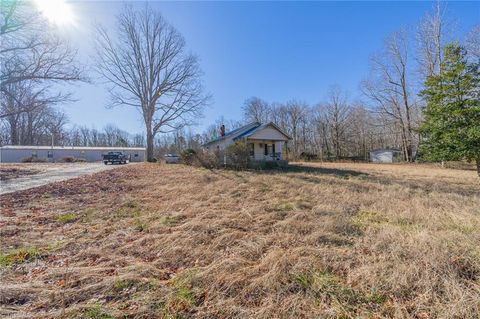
274, 50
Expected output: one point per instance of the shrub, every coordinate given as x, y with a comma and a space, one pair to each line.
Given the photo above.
68, 159
188, 156
66, 218
204, 159
32, 159
19, 256
238, 155
79, 160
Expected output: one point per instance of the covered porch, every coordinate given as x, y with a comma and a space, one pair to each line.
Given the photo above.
265, 150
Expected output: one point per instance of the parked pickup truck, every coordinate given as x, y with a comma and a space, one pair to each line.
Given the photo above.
115, 157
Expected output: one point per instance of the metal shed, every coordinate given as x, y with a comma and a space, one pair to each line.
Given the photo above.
16, 154
385, 155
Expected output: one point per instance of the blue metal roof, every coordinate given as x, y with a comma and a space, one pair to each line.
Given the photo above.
236, 131
246, 131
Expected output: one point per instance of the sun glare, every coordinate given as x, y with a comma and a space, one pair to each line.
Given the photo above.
58, 12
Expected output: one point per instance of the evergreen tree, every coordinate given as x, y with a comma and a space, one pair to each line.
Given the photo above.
451, 130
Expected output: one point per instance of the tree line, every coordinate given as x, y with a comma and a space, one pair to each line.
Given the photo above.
391, 108
145, 64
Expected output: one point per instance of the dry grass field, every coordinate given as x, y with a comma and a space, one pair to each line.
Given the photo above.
316, 241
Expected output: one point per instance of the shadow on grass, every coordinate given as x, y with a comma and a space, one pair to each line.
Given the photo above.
342, 173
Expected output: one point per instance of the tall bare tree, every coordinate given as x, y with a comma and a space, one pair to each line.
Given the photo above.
390, 89
147, 66
432, 33
256, 110
30, 51
32, 60
337, 112
294, 115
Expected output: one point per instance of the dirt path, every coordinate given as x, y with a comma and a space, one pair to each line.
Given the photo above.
52, 173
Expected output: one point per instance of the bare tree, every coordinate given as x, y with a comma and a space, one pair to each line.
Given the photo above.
473, 42
431, 35
147, 67
337, 114
29, 50
256, 110
32, 59
390, 90
294, 114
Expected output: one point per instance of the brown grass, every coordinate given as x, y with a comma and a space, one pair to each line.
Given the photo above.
317, 241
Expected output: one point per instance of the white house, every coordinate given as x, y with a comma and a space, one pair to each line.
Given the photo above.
265, 141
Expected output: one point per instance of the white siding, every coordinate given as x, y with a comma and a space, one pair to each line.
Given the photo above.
268, 133
16, 155
382, 156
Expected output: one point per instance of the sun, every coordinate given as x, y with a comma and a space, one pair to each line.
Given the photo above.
58, 12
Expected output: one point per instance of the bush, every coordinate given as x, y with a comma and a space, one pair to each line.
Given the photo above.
32, 159
188, 156
206, 159
71, 159
68, 159
201, 158
238, 155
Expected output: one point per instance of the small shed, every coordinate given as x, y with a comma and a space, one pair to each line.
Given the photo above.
17, 153
384, 155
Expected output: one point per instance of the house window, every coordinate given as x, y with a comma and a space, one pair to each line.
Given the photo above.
136, 155
273, 148
251, 148
34, 154
265, 152
50, 154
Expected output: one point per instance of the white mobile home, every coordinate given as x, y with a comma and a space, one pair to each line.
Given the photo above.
265, 141
17, 153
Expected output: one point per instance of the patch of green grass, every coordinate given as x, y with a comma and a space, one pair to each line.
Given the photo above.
323, 285
47, 195
170, 220
140, 225
465, 229
92, 312
406, 224
19, 256
283, 207
368, 218
182, 297
316, 280
66, 218
123, 284
128, 209
264, 188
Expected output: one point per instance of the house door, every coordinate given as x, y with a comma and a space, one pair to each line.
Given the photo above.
269, 150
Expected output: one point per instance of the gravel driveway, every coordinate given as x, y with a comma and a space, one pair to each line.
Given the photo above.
50, 173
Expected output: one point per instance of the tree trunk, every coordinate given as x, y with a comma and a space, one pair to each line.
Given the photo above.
150, 157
